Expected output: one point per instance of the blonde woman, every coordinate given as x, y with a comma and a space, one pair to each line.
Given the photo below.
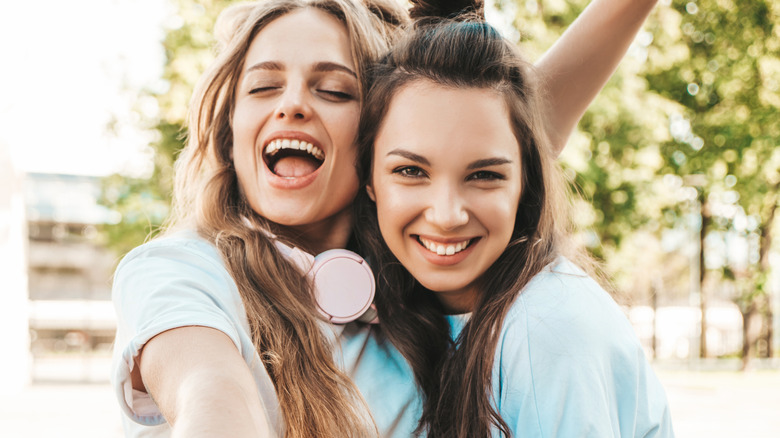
218, 331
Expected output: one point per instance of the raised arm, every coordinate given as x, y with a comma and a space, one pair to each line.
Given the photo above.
579, 64
201, 384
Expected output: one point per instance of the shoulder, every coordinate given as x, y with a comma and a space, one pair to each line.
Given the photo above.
182, 245
172, 267
569, 361
183, 255
565, 309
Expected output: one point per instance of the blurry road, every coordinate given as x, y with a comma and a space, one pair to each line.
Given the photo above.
724, 404
704, 404
61, 410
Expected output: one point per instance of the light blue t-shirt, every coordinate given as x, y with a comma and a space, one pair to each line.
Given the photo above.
181, 281
568, 364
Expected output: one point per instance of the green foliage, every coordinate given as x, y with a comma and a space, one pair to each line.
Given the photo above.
696, 107
144, 203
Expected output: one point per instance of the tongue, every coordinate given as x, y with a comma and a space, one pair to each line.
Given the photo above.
291, 167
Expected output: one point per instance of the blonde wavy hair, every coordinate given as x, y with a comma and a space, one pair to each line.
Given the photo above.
317, 399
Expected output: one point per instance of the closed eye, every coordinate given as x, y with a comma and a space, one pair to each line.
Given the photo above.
336, 95
258, 90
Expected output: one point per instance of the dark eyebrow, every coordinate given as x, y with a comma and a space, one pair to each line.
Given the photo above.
487, 162
319, 67
410, 156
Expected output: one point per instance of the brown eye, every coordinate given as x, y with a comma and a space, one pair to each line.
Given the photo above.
485, 175
410, 172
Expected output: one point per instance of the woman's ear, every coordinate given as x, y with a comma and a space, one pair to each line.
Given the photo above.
370, 191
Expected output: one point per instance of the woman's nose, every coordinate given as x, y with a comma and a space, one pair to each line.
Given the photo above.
293, 104
447, 209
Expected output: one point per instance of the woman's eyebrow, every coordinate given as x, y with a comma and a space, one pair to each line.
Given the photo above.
410, 156
266, 65
327, 66
487, 162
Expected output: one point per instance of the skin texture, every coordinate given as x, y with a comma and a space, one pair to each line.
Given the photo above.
446, 171
300, 85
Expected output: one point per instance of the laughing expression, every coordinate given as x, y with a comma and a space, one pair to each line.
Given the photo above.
295, 122
446, 179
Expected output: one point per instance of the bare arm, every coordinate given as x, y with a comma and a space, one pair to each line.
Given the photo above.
201, 384
579, 64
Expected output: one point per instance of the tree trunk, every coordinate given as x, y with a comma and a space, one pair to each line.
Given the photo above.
748, 339
706, 220
654, 300
764, 245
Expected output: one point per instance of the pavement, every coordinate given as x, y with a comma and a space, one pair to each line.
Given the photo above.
712, 404
724, 404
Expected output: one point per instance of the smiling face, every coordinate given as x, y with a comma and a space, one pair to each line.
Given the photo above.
446, 179
295, 123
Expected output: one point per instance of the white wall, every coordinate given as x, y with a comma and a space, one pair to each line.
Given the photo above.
15, 365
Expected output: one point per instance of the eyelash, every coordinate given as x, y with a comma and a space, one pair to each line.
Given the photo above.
406, 171
486, 175
261, 89
416, 172
338, 94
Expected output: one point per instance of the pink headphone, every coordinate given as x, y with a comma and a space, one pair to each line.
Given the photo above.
343, 283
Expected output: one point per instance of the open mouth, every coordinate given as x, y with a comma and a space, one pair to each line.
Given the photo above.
445, 249
289, 158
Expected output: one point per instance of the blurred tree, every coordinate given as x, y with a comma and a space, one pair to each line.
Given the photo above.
614, 161
655, 162
144, 202
728, 80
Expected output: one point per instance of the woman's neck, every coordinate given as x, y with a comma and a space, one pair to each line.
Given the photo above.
458, 302
330, 233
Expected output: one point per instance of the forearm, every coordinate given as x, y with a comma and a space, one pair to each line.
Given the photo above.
580, 63
202, 385
218, 405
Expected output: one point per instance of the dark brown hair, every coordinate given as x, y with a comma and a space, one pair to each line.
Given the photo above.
456, 377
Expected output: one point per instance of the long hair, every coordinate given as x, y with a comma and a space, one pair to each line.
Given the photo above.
455, 377
316, 398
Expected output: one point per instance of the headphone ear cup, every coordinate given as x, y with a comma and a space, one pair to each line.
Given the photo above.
344, 285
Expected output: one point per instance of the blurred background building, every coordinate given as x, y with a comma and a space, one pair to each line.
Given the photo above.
69, 277
13, 265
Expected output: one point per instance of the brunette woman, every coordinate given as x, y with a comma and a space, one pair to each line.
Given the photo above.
465, 217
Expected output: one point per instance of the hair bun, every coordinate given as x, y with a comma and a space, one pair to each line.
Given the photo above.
446, 9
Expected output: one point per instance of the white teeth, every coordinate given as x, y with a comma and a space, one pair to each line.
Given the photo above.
275, 146
442, 249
